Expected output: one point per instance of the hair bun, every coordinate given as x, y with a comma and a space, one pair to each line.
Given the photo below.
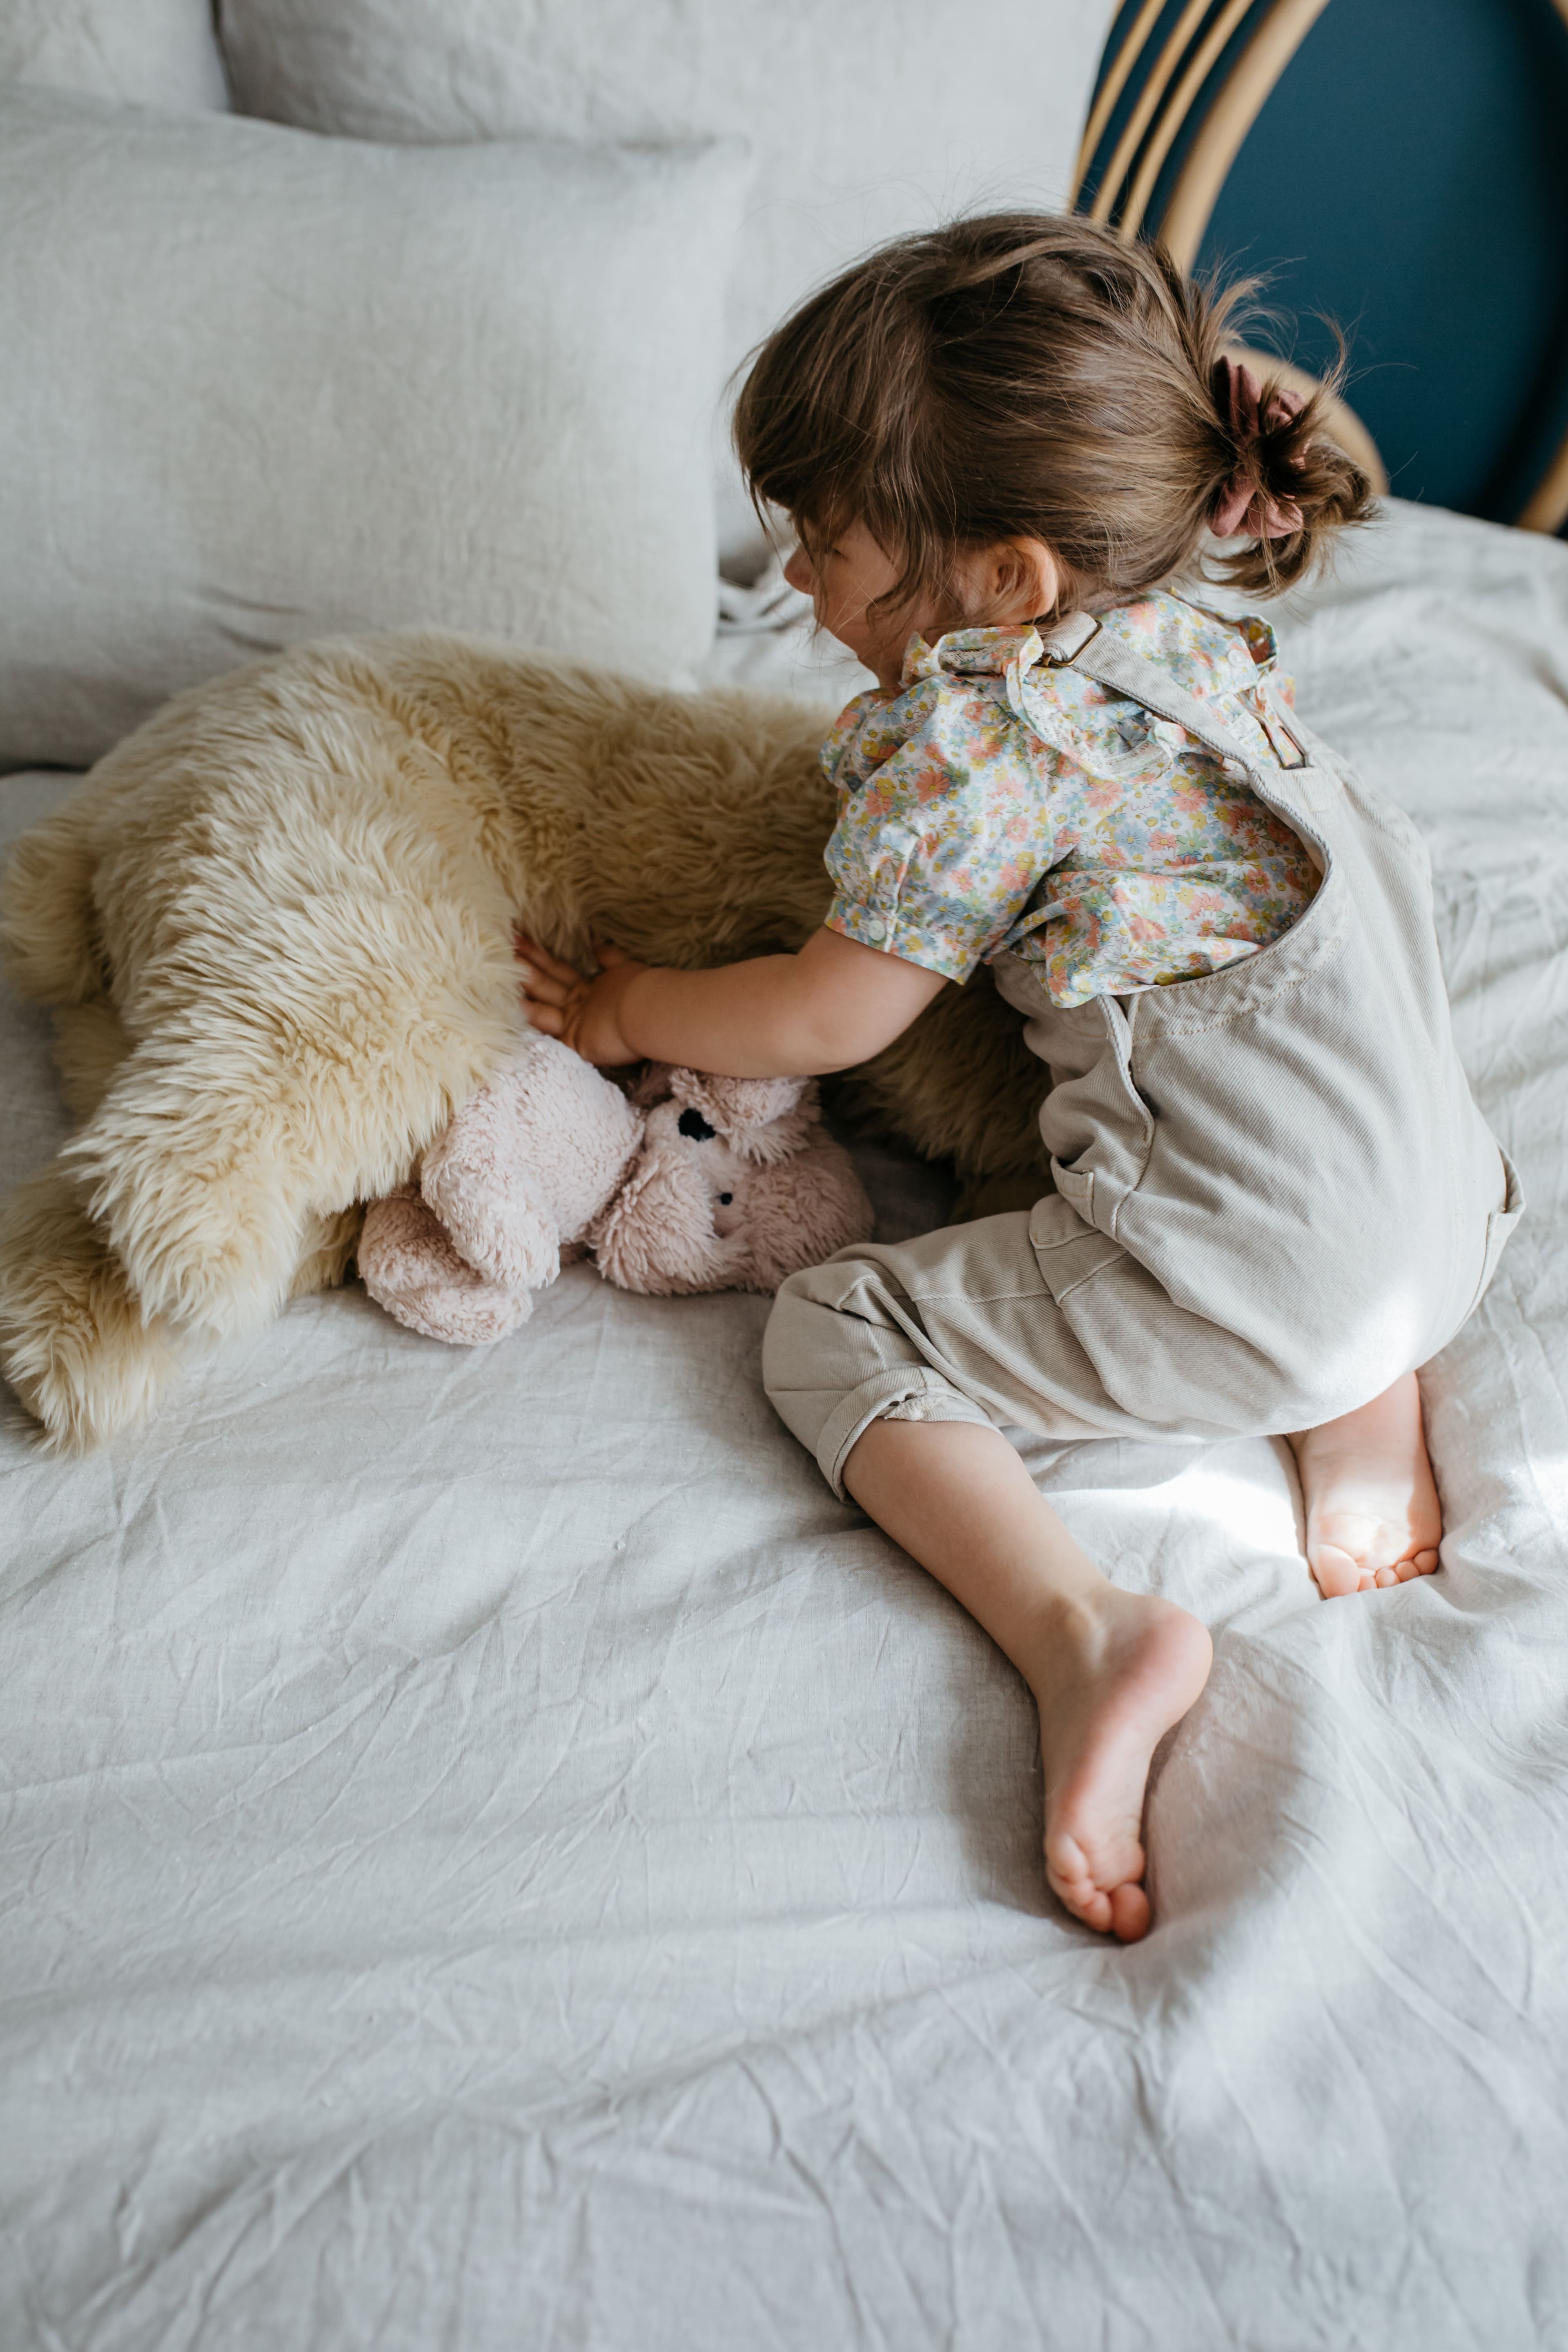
1243, 507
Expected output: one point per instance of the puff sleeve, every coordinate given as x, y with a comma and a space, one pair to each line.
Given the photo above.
943, 830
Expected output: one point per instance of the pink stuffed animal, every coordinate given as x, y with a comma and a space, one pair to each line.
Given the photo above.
693, 1183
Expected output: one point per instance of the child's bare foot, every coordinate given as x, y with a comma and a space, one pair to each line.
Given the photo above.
1372, 1514
1110, 1672
1111, 1679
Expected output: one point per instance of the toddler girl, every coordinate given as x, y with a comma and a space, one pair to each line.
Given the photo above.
1274, 1195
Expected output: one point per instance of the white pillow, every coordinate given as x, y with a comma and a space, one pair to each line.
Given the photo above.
867, 117
256, 386
157, 52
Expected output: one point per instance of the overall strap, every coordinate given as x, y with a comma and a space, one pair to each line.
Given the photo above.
1080, 643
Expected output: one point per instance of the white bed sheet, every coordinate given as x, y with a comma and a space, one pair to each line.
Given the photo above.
494, 1855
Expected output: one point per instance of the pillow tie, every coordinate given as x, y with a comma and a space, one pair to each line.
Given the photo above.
1241, 508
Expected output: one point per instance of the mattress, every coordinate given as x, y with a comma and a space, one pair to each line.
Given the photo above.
494, 1855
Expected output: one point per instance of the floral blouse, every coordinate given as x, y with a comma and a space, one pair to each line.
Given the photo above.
999, 802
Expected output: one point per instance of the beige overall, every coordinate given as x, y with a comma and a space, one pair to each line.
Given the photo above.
1274, 1192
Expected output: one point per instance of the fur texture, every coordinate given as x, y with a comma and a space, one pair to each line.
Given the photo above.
294, 891
739, 1196
527, 1165
725, 1184
412, 1266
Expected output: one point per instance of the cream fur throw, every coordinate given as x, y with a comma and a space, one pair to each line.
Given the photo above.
279, 918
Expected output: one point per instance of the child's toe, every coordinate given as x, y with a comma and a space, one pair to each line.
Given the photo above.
1337, 1571
1121, 1910
1081, 1896
1129, 1914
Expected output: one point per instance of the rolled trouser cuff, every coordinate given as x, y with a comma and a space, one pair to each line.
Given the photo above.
871, 1400
841, 1350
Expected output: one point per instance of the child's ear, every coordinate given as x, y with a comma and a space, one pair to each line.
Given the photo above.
1029, 579
1009, 583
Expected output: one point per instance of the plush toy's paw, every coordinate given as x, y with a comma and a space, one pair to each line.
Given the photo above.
529, 1162
506, 1233
478, 1180
410, 1268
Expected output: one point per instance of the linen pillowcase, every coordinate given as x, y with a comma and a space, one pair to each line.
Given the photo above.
154, 52
866, 120
257, 387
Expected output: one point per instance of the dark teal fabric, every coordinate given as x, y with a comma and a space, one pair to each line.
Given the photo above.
1409, 178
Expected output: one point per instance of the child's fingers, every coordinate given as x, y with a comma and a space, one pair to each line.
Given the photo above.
548, 1019
540, 962
539, 988
544, 979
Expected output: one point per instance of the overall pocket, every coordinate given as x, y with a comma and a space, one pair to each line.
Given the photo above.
1069, 1249
1499, 1225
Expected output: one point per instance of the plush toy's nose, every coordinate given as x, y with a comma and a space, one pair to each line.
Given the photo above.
694, 1125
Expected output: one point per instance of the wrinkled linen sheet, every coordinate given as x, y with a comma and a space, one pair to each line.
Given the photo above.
494, 1855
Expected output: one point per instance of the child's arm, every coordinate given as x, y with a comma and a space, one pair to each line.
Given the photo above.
780, 1017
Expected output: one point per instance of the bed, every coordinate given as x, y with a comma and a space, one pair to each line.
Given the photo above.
494, 1855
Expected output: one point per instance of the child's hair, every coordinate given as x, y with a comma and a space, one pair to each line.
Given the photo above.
1026, 373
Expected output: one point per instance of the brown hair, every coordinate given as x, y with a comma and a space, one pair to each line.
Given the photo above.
1026, 373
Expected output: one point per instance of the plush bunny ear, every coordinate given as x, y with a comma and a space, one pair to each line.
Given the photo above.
797, 1215
761, 1119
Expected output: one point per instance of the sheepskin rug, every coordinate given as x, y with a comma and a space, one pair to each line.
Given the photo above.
277, 924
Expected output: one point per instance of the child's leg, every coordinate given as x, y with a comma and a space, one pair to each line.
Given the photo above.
1111, 1671
1372, 1514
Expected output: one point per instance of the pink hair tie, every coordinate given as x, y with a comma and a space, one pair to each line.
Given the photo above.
1241, 510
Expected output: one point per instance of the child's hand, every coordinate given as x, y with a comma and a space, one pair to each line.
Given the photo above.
834, 1003
584, 1013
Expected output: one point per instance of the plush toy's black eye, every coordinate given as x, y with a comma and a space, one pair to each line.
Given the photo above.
694, 1124
725, 1198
